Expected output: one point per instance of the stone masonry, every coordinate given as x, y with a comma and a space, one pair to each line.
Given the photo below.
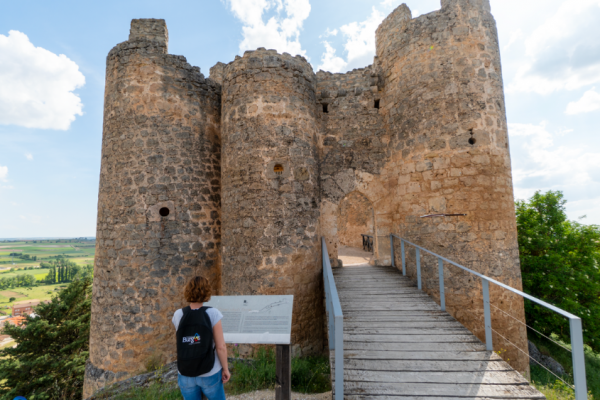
237, 177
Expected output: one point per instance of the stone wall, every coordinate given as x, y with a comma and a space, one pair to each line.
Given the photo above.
270, 209
353, 146
443, 106
355, 218
160, 151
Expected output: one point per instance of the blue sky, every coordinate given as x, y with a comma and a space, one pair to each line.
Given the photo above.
52, 61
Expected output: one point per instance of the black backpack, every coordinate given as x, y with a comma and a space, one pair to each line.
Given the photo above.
195, 351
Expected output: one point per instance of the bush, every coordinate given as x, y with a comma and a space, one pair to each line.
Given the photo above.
560, 262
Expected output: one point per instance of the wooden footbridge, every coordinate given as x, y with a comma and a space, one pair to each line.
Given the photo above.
397, 342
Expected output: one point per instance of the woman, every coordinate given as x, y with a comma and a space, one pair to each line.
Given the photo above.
196, 292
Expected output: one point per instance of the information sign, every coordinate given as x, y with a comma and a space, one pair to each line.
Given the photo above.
255, 319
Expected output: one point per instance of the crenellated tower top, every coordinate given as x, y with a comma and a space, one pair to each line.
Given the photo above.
150, 29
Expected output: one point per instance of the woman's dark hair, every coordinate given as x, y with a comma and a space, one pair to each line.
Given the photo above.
197, 290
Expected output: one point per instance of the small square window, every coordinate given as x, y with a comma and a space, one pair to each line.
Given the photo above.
376, 103
325, 108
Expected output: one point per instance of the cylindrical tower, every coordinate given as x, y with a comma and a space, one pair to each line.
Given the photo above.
444, 107
158, 206
270, 186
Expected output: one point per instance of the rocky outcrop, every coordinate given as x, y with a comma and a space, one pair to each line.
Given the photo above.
545, 361
166, 375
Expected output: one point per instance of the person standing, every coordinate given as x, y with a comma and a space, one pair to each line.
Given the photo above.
201, 349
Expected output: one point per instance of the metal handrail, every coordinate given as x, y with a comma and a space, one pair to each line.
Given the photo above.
335, 322
574, 321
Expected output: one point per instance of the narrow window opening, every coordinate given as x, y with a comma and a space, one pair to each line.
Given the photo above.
377, 104
325, 109
278, 169
164, 212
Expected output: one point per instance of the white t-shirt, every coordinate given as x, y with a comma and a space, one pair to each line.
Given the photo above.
215, 316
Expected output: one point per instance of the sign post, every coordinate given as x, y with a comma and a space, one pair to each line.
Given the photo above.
261, 320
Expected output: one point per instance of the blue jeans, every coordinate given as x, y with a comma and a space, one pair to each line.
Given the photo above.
193, 388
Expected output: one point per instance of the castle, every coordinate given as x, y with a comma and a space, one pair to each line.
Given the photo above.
236, 177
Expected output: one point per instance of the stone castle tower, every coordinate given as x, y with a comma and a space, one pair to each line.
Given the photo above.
237, 177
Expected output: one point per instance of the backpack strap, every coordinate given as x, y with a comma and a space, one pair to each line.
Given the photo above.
204, 311
186, 312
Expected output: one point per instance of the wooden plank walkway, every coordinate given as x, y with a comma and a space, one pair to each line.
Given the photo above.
399, 344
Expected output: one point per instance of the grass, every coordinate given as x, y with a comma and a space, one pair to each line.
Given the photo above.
9, 344
80, 251
43, 292
549, 385
42, 272
156, 391
309, 375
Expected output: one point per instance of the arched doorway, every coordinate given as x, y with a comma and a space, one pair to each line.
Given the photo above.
355, 218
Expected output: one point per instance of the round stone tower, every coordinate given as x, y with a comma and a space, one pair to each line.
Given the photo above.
443, 104
158, 206
270, 187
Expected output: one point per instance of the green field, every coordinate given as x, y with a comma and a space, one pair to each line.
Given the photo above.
76, 250
39, 273
44, 292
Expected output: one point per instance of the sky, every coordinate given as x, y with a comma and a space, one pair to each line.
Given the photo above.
52, 65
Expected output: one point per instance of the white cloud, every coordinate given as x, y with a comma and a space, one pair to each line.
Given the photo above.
360, 43
36, 85
564, 52
34, 219
588, 103
282, 29
539, 164
329, 61
29, 156
359, 46
329, 33
3, 173
516, 35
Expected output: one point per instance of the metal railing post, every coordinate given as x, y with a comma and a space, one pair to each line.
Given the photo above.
485, 286
441, 277
403, 257
578, 359
392, 250
328, 299
336, 322
339, 357
419, 268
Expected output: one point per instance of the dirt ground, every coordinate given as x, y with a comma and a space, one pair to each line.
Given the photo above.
9, 293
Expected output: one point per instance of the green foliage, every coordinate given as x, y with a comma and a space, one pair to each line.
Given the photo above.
156, 391
557, 391
12, 299
309, 374
546, 380
560, 262
62, 271
17, 281
49, 361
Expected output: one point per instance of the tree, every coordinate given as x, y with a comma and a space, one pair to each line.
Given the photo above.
12, 299
51, 277
560, 262
52, 348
